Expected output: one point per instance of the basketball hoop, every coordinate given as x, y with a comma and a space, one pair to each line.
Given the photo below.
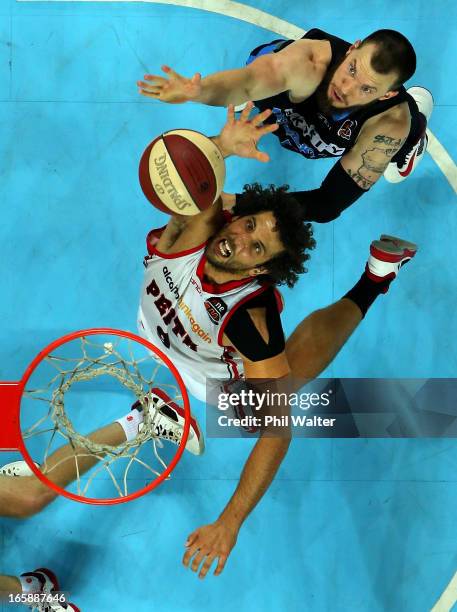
36, 415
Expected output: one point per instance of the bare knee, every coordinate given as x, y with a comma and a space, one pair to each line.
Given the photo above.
29, 506
30, 499
304, 344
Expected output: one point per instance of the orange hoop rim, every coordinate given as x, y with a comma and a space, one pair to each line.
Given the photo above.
187, 415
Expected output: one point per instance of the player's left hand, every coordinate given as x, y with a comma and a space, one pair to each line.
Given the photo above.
240, 136
207, 543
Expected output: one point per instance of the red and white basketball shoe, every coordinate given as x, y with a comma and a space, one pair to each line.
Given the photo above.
387, 256
169, 419
400, 169
49, 585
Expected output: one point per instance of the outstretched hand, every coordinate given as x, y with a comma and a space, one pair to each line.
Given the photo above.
207, 543
175, 89
240, 136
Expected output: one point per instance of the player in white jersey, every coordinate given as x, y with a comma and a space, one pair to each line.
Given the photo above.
208, 289
187, 313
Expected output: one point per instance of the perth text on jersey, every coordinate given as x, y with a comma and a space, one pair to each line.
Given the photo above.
184, 307
170, 318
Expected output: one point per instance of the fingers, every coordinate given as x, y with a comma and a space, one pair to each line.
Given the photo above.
150, 94
191, 538
257, 120
194, 558
260, 118
197, 558
267, 129
246, 111
190, 552
152, 86
192, 547
270, 127
170, 71
147, 94
206, 565
230, 114
220, 564
262, 157
175, 89
159, 80
149, 88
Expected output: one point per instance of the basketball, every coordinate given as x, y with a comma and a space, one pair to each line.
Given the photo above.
182, 172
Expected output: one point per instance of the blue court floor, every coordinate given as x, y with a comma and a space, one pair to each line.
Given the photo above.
348, 525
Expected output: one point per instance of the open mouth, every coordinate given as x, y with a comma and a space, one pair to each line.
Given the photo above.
336, 96
224, 248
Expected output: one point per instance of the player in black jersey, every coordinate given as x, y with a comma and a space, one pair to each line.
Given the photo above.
330, 99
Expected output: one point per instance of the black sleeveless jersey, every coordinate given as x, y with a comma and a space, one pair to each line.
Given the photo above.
303, 128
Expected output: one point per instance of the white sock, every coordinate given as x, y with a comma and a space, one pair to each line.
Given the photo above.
130, 423
30, 584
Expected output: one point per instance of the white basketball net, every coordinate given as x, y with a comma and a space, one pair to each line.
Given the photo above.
117, 359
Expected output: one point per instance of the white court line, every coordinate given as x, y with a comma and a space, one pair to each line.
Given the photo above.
259, 18
442, 159
449, 597
239, 11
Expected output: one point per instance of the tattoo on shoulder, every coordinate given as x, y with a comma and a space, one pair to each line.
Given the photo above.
387, 140
375, 160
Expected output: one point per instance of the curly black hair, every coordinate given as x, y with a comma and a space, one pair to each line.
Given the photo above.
296, 235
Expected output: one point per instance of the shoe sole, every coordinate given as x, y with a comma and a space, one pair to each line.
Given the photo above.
392, 174
411, 246
169, 402
428, 99
393, 255
392, 252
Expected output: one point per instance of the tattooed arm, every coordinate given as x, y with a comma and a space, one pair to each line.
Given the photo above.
379, 141
350, 178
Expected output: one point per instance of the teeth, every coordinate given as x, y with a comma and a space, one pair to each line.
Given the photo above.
224, 248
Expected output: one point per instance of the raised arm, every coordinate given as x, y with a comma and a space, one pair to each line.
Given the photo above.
215, 541
296, 68
240, 137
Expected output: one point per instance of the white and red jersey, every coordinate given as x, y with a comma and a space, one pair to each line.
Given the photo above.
184, 315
